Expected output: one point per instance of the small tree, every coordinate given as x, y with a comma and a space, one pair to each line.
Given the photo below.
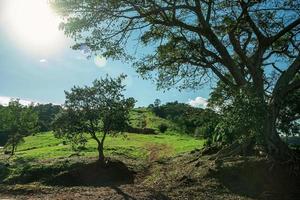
157, 102
162, 127
18, 121
99, 108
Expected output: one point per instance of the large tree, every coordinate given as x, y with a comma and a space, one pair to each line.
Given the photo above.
248, 44
94, 111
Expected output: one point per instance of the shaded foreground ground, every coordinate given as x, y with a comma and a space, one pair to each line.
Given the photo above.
188, 176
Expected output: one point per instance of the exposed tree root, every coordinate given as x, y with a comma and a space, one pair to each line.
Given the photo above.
247, 148
236, 149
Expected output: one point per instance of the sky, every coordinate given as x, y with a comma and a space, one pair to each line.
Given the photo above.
38, 65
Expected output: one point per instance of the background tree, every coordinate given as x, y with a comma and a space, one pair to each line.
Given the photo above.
191, 120
157, 102
46, 114
18, 121
90, 110
3, 135
246, 44
142, 121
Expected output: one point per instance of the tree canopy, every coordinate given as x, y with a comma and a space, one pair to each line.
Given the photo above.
46, 114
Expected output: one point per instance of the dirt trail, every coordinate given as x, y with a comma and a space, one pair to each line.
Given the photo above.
157, 151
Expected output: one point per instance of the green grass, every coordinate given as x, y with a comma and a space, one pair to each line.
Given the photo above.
152, 121
43, 156
45, 145
138, 146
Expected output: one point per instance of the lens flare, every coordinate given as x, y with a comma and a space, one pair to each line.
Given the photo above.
32, 24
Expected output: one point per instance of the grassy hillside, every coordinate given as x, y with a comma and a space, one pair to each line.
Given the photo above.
152, 121
45, 145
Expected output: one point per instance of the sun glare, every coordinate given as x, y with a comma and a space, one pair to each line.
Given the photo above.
33, 25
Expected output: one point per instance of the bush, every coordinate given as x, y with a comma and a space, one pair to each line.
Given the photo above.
162, 128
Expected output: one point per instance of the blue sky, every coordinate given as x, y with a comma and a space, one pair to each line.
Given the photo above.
42, 75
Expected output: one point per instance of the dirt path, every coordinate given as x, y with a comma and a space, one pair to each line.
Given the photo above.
157, 151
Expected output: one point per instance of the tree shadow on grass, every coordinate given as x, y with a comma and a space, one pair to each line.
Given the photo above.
18, 166
28, 170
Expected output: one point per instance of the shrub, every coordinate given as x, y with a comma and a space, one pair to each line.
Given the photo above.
162, 128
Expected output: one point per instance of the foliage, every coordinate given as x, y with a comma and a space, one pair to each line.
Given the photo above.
157, 103
3, 135
17, 122
142, 121
288, 122
188, 118
162, 128
240, 113
91, 109
46, 114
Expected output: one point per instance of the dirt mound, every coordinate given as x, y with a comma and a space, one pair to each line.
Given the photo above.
93, 174
258, 178
194, 177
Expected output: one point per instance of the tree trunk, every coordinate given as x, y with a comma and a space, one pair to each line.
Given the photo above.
13, 149
101, 157
14, 144
273, 144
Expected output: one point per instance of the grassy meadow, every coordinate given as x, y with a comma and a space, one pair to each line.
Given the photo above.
45, 145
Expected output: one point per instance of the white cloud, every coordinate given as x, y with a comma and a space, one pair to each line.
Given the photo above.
198, 102
100, 61
43, 60
5, 100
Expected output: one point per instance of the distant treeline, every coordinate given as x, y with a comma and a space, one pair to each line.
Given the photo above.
194, 121
45, 115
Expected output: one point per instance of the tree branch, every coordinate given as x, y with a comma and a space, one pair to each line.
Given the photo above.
285, 30
283, 84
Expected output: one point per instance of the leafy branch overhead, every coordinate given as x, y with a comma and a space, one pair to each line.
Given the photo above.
191, 39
